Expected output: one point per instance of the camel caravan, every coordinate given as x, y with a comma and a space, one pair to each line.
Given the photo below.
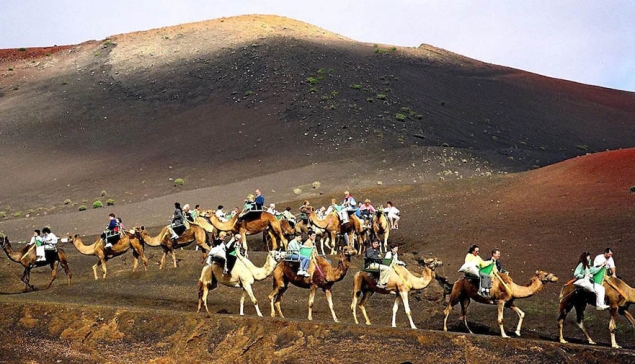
294, 244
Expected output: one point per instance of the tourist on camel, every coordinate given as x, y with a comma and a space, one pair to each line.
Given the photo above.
272, 209
392, 214
220, 213
348, 206
37, 240
223, 249
49, 241
498, 267
187, 213
373, 261
289, 216
477, 267
220, 239
584, 273
294, 254
178, 220
606, 258
111, 230
392, 254
366, 210
259, 200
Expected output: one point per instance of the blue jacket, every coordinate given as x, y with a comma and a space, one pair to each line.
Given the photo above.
260, 201
112, 225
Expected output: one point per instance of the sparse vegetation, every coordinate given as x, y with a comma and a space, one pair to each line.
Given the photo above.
313, 89
325, 97
17, 214
16, 87
10, 68
22, 49
442, 103
3, 214
369, 99
405, 109
332, 107
381, 96
68, 201
82, 208
179, 182
400, 117
98, 204
393, 49
632, 190
107, 42
64, 83
30, 211
584, 148
312, 80
47, 54
249, 93
110, 202
356, 86
103, 193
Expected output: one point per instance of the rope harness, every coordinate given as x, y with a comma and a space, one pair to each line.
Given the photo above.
509, 290
394, 267
28, 251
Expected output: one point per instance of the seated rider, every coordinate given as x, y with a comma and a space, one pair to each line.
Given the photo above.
259, 199
178, 220
223, 249
187, 213
49, 241
372, 260
37, 240
111, 230
392, 214
348, 206
272, 209
473, 258
584, 272
496, 254
289, 216
392, 254
366, 210
294, 253
250, 203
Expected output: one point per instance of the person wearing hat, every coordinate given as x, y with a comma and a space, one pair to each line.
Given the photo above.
366, 210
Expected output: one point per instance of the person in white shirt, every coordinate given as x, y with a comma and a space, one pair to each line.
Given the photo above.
392, 213
49, 240
220, 213
272, 209
39, 249
607, 259
392, 254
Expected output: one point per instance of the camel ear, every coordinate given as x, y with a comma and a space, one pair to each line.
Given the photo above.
537, 272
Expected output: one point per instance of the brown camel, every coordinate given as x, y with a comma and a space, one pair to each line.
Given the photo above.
26, 256
619, 296
303, 226
243, 275
503, 294
332, 225
129, 241
286, 228
194, 233
381, 229
400, 283
322, 275
251, 223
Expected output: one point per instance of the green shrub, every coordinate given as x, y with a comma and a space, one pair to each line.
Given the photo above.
249, 93
103, 193
68, 201
405, 109
381, 96
325, 97
31, 211
419, 116
369, 99
393, 49
632, 190
3, 214
22, 49
356, 86
179, 182
97, 204
16, 87
313, 90
400, 117
583, 147
17, 214
332, 107
82, 208
110, 202
312, 80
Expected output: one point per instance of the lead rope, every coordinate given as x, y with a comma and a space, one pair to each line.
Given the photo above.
394, 267
28, 251
503, 283
606, 279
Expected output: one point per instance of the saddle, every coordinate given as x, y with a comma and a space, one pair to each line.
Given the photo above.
178, 227
231, 260
111, 236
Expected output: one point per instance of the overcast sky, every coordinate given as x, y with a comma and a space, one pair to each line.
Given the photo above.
585, 41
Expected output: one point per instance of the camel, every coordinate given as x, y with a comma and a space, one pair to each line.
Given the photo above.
400, 283
286, 228
322, 275
381, 229
503, 293
251, 223
194, 233
130, 241
303, 226
243, 275
26, 256
619, 296
332, 225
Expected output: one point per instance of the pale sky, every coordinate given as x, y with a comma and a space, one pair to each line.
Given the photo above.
585, 41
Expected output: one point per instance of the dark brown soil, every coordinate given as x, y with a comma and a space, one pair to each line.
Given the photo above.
235, 104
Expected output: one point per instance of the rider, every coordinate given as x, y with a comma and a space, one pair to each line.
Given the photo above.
289, 216
584, 273
259, 200
294, 251
392, 213
372, 260
607, 259
39, 249
392, 254
366, 210
272, 209
348, 206
473, 258
112, 229
223, 249
496, 254
49, 240
177, 220
187, 213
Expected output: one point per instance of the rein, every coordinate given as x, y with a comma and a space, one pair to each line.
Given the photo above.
394, 267
509, 290
621, 293
28, 251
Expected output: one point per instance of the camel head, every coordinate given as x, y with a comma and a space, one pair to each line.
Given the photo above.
546, 277
5, 240
431, 263
206, 213
348, 251
71, 238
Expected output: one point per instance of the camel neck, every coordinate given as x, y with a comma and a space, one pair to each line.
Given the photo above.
534, 286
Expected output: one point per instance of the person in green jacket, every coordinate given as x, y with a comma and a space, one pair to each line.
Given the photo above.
584, 273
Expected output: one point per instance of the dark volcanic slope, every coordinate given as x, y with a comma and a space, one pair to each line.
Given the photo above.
229, 99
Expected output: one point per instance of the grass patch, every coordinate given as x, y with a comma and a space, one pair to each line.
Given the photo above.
313, 90
356, 86
312, 80
3, 214
381, 96
17, 214
110, 202
82, 208
369, 99
179, 182
98, 204
584, 148
68, 201
103, 193
249, 93
400, 117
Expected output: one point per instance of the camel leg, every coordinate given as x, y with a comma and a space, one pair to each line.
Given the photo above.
612, 326
329, 299
207, 287
406, 306
354, 306
245, 241
322, 244
95, 269
53, 273
26, 278
521, 316
362, 305
104, 268
395, 308
247, 288
465, 303
579, 310
276, 297
501, 308
447, 313
173, 257
311, 300
165, 254
564, 310
242, 303
135, 260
